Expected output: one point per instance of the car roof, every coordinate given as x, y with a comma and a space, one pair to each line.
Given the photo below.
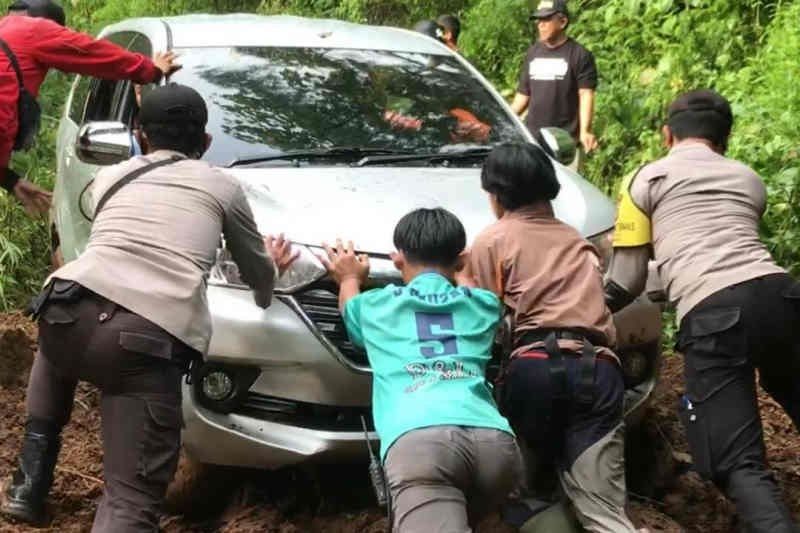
280, 30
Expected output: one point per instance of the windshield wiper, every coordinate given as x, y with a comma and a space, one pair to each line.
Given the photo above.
460, 155
337, 152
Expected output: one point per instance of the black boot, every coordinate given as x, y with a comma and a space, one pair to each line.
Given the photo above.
26, 493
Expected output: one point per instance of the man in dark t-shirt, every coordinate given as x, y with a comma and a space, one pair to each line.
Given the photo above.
558, 78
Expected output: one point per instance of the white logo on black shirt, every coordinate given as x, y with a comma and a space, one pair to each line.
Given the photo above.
548, 68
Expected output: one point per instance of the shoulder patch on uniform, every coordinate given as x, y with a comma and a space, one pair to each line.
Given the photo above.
633, 227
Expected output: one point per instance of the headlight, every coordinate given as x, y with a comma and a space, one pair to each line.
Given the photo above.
304, 271
605, 247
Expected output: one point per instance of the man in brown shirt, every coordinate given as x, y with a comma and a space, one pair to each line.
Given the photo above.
130, 314
697, 213
563, 388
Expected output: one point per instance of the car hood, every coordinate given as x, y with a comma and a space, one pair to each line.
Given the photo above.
314, 204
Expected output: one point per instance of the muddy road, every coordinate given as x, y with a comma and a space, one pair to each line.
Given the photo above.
665, 494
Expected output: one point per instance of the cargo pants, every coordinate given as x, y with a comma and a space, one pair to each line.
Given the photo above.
138, 368
444, 478
724, 339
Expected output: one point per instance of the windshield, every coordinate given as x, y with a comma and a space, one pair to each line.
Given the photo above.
268, 100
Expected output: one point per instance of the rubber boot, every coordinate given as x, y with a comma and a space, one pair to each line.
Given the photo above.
533, 515
26, 493
558, 518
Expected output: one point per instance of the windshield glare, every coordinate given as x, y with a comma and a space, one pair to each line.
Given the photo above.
268, 100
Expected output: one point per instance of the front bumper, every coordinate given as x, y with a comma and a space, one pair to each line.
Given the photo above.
240, 440
305, 404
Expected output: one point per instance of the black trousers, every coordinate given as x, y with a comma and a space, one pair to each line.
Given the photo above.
724, 339
579, 439
560, 438
138, 367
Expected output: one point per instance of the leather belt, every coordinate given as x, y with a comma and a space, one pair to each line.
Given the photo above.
540, 335
540, 353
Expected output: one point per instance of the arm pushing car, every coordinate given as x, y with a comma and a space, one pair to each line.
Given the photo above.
130, 315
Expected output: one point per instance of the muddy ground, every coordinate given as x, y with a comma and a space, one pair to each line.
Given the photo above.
665, 494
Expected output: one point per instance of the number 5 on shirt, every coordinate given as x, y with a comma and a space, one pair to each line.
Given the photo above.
436, 327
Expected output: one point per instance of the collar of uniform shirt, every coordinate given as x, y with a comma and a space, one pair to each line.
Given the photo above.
687, 145
539, 210
164, 154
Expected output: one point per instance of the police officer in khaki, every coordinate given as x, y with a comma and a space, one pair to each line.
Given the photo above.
130, 313
697, 213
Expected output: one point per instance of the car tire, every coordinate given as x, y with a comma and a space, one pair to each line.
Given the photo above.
199, 489
649, 464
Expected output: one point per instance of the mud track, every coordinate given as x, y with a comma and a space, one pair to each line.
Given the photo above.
666, 495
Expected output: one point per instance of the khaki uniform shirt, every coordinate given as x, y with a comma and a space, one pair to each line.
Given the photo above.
153, 244
701, 211
545, 273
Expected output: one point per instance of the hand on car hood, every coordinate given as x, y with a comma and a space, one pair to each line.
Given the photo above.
316, 204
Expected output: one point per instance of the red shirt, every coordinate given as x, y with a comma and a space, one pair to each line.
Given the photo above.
41, 44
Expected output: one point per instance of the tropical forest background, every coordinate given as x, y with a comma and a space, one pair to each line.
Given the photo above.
647, 52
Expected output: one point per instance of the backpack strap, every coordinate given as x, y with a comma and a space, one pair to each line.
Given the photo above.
13, 59
130, 177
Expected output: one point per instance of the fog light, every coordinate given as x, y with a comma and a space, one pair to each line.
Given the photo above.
635, 367
217, 386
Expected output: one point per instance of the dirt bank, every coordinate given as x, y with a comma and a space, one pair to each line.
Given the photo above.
337, 499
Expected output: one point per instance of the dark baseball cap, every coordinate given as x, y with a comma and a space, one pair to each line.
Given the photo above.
701, 100
431, 28
42, 9
548, 8
173, 103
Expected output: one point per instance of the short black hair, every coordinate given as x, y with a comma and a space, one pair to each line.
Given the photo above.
451, 24
519, 174
704, 114
188, 138
430, 237
45, 9
431, 28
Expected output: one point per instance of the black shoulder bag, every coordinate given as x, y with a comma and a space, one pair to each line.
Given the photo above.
28, 110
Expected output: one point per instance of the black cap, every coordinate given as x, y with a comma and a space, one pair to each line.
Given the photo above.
173, 103
42, 9
701, 100
430, 28
548, 8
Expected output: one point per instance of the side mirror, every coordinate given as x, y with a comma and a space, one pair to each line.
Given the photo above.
559, 144
103, 143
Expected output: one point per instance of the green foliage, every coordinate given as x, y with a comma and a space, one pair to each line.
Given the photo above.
24, 242
647, 51
495, 38
767, 134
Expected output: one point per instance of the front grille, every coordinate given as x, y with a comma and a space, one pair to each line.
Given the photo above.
321, 307
305, 415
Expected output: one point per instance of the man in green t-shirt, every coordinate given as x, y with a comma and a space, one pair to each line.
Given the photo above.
428, 342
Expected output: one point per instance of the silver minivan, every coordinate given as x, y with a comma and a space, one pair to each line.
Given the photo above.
335, 130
